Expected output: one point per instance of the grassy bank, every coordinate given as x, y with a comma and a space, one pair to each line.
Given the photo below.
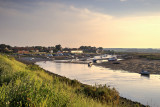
29, 85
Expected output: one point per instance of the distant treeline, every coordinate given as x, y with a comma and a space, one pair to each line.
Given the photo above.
9, 49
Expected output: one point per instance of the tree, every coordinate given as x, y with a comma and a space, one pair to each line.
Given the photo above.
5, 48
88, 49
58, 47
100, 48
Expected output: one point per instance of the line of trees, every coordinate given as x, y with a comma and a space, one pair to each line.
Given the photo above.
9, 49
5, 48
89, 49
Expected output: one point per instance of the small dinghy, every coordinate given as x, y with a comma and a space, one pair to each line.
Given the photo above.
144, 72
112, 59
94, 61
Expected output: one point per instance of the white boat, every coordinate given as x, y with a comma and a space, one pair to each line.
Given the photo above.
144, 72
112, 59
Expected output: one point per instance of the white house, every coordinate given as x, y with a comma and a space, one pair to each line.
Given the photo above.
77, 51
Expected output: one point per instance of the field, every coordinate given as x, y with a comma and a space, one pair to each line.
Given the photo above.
29, 85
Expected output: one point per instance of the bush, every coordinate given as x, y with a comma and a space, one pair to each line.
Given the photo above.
33, 67
102, 93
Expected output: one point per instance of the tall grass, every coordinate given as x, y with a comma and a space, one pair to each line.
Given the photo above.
29, 85
23, 85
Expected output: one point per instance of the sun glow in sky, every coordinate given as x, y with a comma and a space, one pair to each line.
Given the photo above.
72, 23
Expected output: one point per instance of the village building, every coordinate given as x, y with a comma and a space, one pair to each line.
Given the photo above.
73, 50
23, 52
76, 51
51, 51
59, 53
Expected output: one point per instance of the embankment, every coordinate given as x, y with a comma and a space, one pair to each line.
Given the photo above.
30, 85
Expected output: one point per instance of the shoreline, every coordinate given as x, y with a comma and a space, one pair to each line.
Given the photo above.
129, 65
63, 78
122, 99
134, 65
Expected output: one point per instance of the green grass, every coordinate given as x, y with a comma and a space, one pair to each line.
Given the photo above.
29, 85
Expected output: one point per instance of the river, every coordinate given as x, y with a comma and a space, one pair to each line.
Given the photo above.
145, 90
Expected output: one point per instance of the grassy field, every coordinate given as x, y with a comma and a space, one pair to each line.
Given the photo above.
29, 85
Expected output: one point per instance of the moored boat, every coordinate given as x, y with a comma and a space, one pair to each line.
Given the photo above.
112, 59
90, 64
144, 72
94, 61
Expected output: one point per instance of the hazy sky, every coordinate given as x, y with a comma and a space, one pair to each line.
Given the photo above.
72, 23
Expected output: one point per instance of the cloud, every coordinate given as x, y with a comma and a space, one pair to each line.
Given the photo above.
50, 23
54, 22
123, 0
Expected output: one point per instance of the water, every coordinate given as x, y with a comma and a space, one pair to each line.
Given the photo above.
145, 90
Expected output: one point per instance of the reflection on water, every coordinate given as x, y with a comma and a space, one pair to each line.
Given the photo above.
130, 85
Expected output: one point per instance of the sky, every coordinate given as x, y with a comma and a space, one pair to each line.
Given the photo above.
73, 23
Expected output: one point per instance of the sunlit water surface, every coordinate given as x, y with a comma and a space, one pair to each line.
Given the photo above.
145, 90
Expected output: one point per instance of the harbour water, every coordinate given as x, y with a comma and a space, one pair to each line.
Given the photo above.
145, 90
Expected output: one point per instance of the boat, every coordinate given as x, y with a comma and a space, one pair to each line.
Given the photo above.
32, 59
94, 60
112, 59
90, 64
144, 72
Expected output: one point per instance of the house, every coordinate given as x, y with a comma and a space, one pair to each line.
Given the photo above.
66, 50
37, 51
72, 50
59, 53
76, 51
51, 51
50, 55
23, 52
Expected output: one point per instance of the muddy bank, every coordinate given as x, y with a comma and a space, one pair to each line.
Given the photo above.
32, 60
130, 65
134, 65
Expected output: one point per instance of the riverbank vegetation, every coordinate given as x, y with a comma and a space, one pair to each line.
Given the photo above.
152, 56
30, 85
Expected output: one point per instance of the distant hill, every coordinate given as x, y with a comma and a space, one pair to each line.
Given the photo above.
140, 50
